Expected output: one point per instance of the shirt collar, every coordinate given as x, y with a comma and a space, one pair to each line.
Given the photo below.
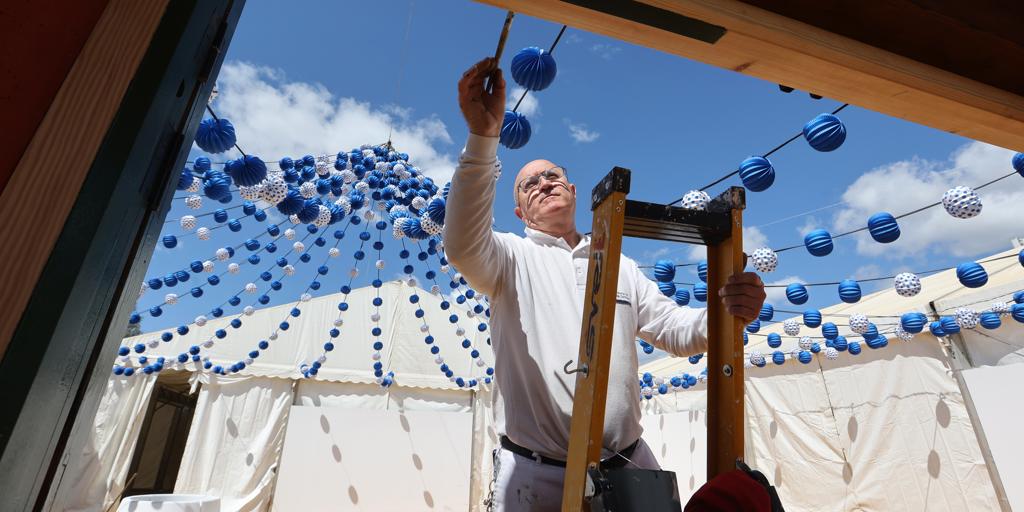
542, 238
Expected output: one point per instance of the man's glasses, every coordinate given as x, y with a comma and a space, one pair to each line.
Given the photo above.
552, 174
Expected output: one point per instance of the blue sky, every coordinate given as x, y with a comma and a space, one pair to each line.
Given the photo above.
321, 77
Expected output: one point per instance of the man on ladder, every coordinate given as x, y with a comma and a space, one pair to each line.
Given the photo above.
536, 285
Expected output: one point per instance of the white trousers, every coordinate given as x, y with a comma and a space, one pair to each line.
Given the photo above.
522, 484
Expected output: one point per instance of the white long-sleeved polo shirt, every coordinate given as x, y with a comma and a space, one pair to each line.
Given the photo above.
536, 286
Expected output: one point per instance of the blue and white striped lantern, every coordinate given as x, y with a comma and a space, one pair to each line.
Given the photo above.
883, 227
949, 325
849, 291
971, 275
818, 242
767, 312
667, 289
825, 132
778, 357
840, 343
1017, 311
682, 296
1018, 297
812, 318
754, 326
879, 341
215, 135
757, 173
936, 329
796, 293
804, 357
702, 271
664, 270
774, 340
1018, 163
854, 348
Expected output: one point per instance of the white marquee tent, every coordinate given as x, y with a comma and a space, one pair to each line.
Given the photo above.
926, 424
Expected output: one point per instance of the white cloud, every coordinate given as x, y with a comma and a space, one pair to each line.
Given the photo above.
810, 223
753, 239
867, 272
274, 117
606, 51
777, 296
573, 38
530, 106
580, 133
904, 186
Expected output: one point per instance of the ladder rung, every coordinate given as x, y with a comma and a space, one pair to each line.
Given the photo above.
662, 222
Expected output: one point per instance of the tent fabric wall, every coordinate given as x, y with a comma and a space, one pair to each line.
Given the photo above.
100, 471
234, 445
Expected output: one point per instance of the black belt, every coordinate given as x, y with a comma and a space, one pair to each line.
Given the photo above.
616, 461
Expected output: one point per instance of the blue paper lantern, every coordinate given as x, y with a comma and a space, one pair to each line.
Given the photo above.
702, 271
682, 296
754, 326
246, 171
804, 357
825, 132
767, 312
872, 331
854, 348
936, 329
664, 271
1019, 297
216, 185
293, 202
913, 322
1018, 163
1020, 257
515, 130
849, 291
215, 135
818, 242
309, 212
840, 343
202, 164
879, 341
220, 215
184, 180
949, 325
436, 210
774, 340
700, 292
778, 357
667, 289
883, 227
757, 173
796, 293
812, 318
170, 241
829, 331
971, 275
533, 68
1018, 312
990, 320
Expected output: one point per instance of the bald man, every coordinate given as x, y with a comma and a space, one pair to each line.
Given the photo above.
535, 285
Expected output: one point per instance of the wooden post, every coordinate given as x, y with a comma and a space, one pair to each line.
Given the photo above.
587, 429
725, 345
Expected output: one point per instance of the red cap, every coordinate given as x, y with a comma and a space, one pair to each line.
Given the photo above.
732, 491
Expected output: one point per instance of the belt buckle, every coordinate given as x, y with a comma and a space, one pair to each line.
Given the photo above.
537, 457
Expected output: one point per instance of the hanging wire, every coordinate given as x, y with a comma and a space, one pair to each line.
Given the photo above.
766, 155
551, 50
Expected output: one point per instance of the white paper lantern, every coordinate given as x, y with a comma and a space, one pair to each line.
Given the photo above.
289, 234
907, 284
397, 227
222, 254
208, 344
369, 215
459, 331
756, 358
207, 266
413, 283
171, 298
154, 343
273, 336
353, 272
305, 297
294, 219
1002, 308
791, 326
480, 362
348, 176
859, 323
961, 202
203, 233
232, 267
248, 310
445, 268
967, 318
696, 200
338, 322
274, 190
431, 227
299, 246
308, 190
362, 187
188, 223
194, 187
419, 203
334, 252
805, 343
903, 335
289, 270
249, 193
424, 328
764, 260
200, 320
323, 216
251, 288
435, 290
379, 264
375, 356
194, 202
831, 353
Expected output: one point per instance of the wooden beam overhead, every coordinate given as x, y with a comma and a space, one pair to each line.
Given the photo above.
770, 46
